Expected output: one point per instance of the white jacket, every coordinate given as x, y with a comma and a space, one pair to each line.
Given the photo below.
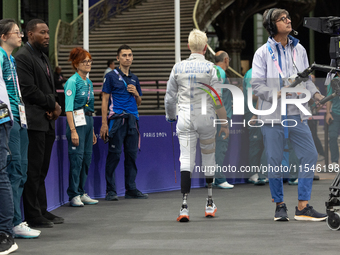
265, 75
184, 85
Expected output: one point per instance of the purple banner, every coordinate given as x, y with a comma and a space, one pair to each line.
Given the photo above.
157, 162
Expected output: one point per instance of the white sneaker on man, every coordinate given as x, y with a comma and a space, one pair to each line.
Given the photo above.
225, 185
76, 202
253, 178
335, 166
320, 158
87, 200
24, 231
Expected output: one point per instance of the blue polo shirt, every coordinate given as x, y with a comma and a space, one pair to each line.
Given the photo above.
77, 93
120, 99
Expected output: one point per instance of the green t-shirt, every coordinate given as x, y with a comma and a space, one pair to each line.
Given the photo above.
227, 98
78, 93
335, 101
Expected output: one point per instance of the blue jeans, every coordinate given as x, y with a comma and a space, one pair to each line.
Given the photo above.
123, 132
302, 142
6, 197
17, 169
80, 157
333, 133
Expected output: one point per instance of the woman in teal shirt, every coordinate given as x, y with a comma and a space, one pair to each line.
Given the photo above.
79, 107
10, 39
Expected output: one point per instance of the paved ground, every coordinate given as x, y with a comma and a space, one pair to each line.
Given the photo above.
243, 225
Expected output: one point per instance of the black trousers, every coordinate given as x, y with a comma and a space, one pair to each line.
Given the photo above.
39, 154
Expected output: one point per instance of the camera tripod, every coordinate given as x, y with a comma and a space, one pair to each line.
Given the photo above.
333, 203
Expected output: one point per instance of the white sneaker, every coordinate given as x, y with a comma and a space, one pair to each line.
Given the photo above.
24, 231
253, 178
87, 200
335, 166
210, 209
293, 181
76, 202
183, 215
320, 158
225, 185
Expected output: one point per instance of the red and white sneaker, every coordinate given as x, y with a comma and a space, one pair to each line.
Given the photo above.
210, 209
183, 214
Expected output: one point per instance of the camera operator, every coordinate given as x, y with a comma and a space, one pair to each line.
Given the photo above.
274, 62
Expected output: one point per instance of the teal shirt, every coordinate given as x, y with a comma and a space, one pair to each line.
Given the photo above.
227, 98
335, 101
9, 75
76, 94
246, 85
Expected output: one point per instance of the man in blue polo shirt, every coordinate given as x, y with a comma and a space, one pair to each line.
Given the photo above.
122, 89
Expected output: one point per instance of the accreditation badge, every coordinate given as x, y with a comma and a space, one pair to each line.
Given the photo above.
22, 114
79, 118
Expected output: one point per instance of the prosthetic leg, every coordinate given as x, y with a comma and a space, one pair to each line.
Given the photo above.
210, 208
333, 204
208, 161
185, 190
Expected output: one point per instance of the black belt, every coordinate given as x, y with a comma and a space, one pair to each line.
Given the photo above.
88, 113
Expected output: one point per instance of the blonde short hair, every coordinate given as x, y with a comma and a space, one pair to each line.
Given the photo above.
197, 40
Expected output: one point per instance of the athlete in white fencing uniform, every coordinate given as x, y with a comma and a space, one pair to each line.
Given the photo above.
191, 81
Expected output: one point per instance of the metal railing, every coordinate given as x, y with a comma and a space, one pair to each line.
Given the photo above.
204, 7
71, 33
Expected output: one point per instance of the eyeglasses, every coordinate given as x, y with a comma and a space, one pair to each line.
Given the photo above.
229, 58
19, 34
284, 19
87, 62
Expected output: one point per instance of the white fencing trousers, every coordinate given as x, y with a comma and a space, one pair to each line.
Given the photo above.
192, 125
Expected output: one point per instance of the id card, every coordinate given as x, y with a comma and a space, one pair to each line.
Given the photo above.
79, 118
22, 113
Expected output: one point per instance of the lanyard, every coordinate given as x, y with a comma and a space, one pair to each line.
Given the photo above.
30, 45
88, 93
120, 77
276, 62
15, 80
285, 129
43, 59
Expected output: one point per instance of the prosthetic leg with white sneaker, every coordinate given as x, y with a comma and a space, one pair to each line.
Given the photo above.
185, 189
210, 208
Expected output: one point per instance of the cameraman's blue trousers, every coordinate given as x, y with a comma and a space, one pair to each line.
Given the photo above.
301, 139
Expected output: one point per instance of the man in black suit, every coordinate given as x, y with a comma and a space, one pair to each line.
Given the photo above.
39, 95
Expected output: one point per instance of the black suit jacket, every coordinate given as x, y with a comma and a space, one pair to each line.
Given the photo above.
37, 87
